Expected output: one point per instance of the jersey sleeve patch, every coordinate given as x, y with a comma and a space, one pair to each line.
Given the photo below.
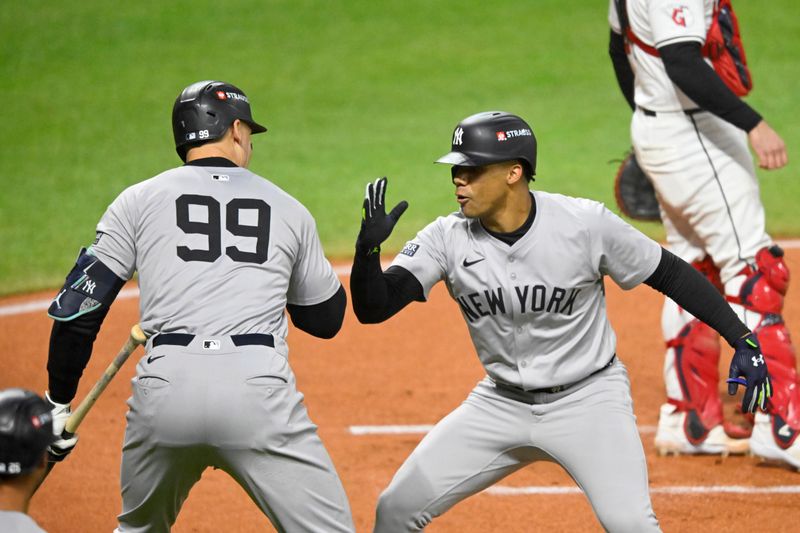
410, 249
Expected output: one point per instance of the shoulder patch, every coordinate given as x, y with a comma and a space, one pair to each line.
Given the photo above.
410, 249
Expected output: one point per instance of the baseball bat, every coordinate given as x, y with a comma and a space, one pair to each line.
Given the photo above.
136, 338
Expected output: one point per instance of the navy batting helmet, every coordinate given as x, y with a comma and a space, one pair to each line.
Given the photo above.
26, 430
492, 137
205, 110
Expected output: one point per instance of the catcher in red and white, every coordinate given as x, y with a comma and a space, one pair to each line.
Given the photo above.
682, 68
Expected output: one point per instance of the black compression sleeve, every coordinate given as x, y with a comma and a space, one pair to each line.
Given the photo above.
323, 320
688, 70
379, 295
687, 287
622, 67
70, 349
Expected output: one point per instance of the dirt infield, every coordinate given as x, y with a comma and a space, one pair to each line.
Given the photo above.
410, 371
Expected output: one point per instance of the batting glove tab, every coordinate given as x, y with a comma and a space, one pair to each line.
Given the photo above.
376, 225
748, 368
62, 447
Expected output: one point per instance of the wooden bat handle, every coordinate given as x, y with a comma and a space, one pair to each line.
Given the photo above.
136, 338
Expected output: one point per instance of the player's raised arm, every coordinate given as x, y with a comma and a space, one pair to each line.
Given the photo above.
378, 295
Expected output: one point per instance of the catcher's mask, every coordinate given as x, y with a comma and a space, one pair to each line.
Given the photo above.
492, 137
205, 110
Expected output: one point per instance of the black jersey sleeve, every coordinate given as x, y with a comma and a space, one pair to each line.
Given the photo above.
323, 320
622, 67
71, 345
379, 295
688, 70
687, 287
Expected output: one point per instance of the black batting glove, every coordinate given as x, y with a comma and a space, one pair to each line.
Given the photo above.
749, 362
376, 225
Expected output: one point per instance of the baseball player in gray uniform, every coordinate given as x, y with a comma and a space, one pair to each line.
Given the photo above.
26, 430
527, 270
221, 253
690, 132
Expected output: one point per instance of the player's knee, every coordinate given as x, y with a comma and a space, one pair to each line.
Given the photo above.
398, 510
624, 521
765, 286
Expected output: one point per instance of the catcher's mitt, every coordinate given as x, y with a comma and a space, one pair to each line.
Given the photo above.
635, 195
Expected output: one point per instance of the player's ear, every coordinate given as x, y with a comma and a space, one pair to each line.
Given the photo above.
236, 131
515, 172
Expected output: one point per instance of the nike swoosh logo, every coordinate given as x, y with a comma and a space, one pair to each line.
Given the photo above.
785, 431
153, 358
470, 263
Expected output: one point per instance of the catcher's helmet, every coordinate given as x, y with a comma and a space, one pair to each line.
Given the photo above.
205, 110
492, 137
26, 430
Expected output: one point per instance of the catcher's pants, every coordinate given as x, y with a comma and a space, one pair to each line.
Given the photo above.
705, 181
589, 429
236, 409
706, 185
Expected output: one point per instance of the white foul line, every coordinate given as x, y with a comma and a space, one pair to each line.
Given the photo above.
390, 430
41, 305
712, 489
421, 429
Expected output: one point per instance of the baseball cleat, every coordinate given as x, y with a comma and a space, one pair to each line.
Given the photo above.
774, 440
671, 437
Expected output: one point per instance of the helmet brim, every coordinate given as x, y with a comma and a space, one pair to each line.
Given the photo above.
456, 158
255, 127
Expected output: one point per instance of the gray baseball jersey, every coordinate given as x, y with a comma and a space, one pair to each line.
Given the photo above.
15, 522
220, 252
535, 310
554, 391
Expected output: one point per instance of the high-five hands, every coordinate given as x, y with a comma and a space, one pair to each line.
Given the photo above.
376, 224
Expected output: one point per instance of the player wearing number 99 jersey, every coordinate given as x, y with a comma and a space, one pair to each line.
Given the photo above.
221, 253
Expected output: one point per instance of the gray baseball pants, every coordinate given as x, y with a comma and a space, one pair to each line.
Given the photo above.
589, 429
232, 408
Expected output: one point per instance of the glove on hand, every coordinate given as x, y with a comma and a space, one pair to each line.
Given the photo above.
376, 225
749, 362
59, 449
635, 195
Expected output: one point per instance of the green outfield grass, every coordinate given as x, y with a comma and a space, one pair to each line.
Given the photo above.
349, 90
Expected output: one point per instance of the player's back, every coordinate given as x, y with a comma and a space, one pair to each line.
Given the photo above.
215, 248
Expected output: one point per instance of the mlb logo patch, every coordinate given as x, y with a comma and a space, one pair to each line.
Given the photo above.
410, 249
192, 135
220, 177
211, 344
501, 136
